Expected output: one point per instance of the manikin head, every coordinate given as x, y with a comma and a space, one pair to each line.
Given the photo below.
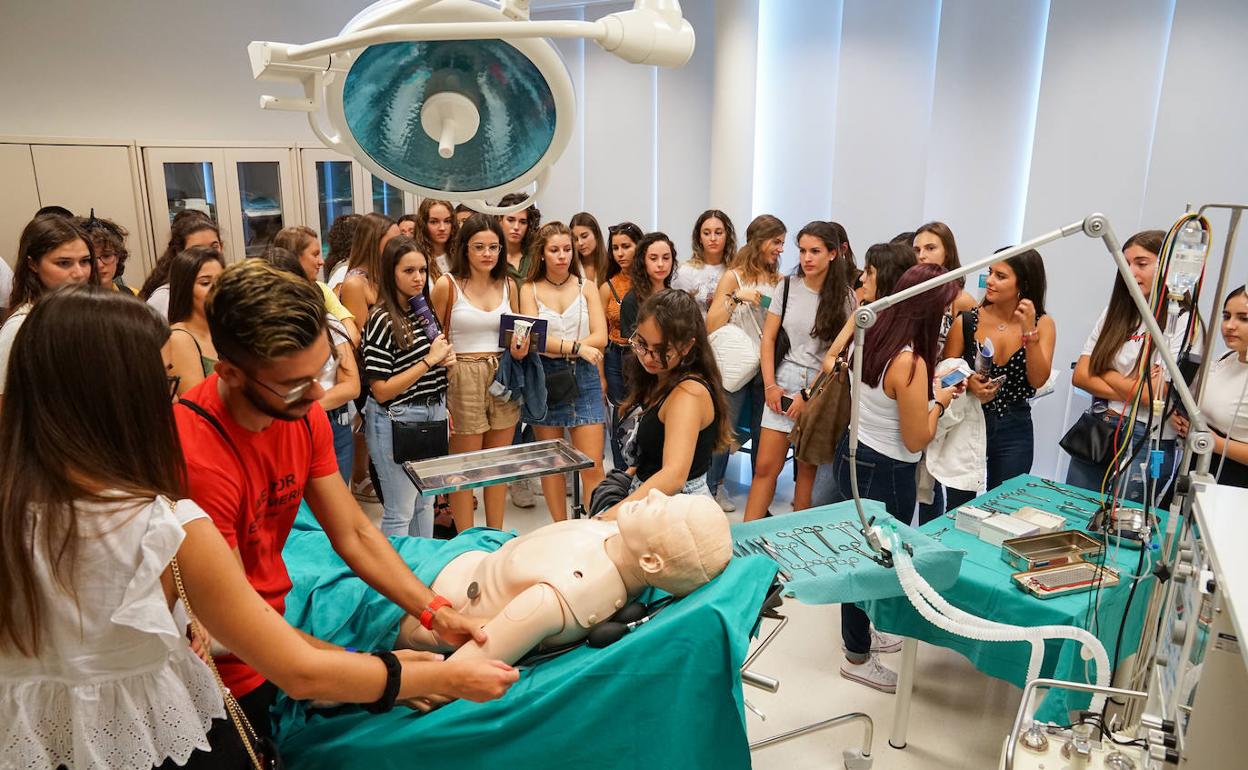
681, 543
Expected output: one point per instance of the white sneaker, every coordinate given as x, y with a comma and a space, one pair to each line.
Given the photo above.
872, 673
725, 502
885, 643
521, 494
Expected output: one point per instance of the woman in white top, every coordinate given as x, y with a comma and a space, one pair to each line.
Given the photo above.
714, 245
95, 671
470, 302
189, 228
590, 248
1109, 367
898, 412
576, 334
435, 232
1225, 400
52, 252
811, 308
741, 298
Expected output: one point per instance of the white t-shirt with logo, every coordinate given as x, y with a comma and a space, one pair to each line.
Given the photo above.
1127, 359
700, 281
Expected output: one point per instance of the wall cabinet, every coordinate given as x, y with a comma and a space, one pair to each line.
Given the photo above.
335, 184
250, 192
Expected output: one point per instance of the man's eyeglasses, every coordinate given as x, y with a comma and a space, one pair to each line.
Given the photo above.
643, 350
294, 394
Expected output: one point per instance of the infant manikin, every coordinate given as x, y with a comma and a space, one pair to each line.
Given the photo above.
549, 587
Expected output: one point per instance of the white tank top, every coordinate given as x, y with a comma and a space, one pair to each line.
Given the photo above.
474, 330
879, 422
571, 324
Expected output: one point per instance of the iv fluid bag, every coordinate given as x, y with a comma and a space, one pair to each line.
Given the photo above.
1188, 259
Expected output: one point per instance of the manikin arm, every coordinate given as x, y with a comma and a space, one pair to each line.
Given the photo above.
535, 614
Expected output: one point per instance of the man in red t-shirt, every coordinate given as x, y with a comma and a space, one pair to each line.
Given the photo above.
257, 443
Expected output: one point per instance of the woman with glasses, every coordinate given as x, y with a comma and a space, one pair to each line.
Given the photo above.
470, 302
52, 252
340, 379
741, 299
576, 332
95, 668
406, 364
109, 241
191, 276
676, 406
616, 284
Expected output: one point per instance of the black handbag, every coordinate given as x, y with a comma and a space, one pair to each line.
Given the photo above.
1090, 439
783, 343
561, 387
414, 441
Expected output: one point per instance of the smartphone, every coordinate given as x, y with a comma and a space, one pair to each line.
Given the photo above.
953, 378
764, 301
785, 403
997, 381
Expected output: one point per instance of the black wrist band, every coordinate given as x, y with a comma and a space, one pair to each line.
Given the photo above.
394, 673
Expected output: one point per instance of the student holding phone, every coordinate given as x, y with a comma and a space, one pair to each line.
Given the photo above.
1012, 321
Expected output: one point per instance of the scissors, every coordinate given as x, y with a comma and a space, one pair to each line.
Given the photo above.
796, 535
817, 531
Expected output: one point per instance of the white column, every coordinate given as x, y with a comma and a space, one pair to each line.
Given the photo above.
732, 109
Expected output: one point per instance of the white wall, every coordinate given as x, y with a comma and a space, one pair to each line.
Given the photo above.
1006, 120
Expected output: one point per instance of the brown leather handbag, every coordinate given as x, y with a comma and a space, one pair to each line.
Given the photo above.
824, 418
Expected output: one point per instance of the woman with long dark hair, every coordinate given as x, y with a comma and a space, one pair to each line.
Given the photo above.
339, 239
470, 302
94, 668
52, 252
519, 228
1011, 316
714, 246
811, 309
191, 276
1225, 399
741, 299
576, 333
616, 285
359, 289
676, 405
406, 372
652, 270
189, 228
590, 248
934, 244
1109, 366
899, 409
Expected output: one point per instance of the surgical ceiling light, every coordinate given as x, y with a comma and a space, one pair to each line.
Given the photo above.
457, 99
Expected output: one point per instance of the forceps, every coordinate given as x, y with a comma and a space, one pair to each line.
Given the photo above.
797, 536
817, 531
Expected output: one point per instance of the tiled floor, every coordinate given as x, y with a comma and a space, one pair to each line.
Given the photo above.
959, 717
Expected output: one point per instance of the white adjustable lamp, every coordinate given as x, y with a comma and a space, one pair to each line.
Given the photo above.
457, 99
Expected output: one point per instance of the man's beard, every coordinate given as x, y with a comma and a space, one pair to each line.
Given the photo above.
293, 412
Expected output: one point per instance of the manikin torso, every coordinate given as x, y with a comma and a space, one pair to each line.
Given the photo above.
568, 556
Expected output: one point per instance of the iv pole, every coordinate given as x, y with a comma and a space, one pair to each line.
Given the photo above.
1199, 441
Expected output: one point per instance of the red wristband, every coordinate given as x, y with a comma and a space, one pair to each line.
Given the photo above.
426, 615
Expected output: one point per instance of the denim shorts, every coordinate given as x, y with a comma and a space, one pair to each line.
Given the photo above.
791, 378
695, 486
587, 408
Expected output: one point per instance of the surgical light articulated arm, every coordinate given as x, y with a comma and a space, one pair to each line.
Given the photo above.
1199, 441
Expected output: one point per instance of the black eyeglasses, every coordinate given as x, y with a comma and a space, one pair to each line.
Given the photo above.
643, 350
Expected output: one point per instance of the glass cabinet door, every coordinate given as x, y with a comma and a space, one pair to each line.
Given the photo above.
185, 179
387, 199
262, 196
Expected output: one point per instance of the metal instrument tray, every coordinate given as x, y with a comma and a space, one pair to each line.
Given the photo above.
1050, 550
487, 467
1065, 579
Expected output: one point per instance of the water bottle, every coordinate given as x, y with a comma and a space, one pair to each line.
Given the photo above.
1188, 259
424, 313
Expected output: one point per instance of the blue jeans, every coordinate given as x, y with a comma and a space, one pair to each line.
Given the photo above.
344, 442
890, 481
1011, 447
617, 390
404, 511
1089, 476
750, 396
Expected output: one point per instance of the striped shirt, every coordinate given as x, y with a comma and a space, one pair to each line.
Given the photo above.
383, 358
